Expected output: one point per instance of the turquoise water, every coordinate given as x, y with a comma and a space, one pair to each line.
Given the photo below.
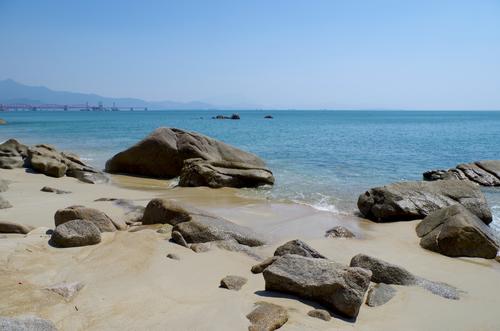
322, 158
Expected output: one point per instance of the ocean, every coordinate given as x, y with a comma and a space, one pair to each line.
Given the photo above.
321, 158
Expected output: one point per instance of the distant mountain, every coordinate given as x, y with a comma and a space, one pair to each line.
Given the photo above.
14, 92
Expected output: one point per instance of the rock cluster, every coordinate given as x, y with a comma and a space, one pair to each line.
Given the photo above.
485, 173
222, 117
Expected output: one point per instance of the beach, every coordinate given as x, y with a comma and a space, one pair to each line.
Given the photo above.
131, 284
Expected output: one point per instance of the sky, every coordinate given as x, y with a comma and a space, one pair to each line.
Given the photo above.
311, 54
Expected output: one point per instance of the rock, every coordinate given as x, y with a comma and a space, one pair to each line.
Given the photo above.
4, 204
26, 323
13, 154
11, 227
485, 173
454, 231
297, 247
162, 154
66, 290
320, 313
497, 258
234, 283
268, 117
338, 287
200, 247
491, 166
235, 117
380, 294
385, 272
53, 190
444, 174
258, 268
76, 233
179, 239
414, 200
46, 160
216, 174
267, 317
205, 228
164, 211
100, 219
88, 177
173, 256
222, 117
339, 232
478, 174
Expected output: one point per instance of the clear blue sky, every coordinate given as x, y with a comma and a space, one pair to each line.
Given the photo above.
287, 54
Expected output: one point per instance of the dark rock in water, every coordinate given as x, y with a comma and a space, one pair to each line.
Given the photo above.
13, 154
76, 233
26, 323
165, 211
268, 117
103, 222
258, 268
53, 190
235, 117
320, 313
179, 239
162, 154
339, 287
234, 283
205, 228
485, 173
414, 200
222, 117
267, 317
11, 227
298, 247
339, 232
199, 172
380, 294
385, 272
4, 204
454, 231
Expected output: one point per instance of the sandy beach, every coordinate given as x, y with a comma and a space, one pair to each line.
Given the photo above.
130, 284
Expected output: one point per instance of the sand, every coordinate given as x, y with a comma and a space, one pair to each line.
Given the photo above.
130, 284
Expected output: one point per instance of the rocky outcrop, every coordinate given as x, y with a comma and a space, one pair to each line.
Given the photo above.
388, 273
97, 217
485, 173
339, 232
415, 200
11, 227
380, 294
76, 233
234, 283
215, 174
267, 317
298, 247
13, 154
334, 285
26, 323
165, 212
454, 231
206, 228
163, 152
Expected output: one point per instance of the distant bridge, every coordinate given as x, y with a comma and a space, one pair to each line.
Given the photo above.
50, 106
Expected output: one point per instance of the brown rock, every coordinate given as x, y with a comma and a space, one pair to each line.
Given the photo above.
164, 211
267, 317
234, 283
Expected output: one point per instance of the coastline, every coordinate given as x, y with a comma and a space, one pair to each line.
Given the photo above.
130, 284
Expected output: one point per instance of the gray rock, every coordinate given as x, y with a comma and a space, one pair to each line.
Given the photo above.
165, 211
444, 174
216, 174
66, 290
4, 204
200, 247
380, 294
478, 174
388, 273
76, 233
267, 317
179, 239
100, 219
454, 231
320, 313
297, 247
11, 227
258, 268
13, 154
26, 323
485, 173
491, 166
415, 200
338, 287
205, 228
46, 160
162, 154
339, 232
234, 283
53, 190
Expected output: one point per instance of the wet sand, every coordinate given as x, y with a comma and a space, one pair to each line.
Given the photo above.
130, 284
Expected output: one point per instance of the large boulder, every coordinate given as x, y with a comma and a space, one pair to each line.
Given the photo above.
46, 160
76, 233
298, 247
13, 154
454, 231
97, 217
26, 323
485, 173
215, 174
338, 287
415, 200
165, 212
163, 152
206, 228
11, 227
